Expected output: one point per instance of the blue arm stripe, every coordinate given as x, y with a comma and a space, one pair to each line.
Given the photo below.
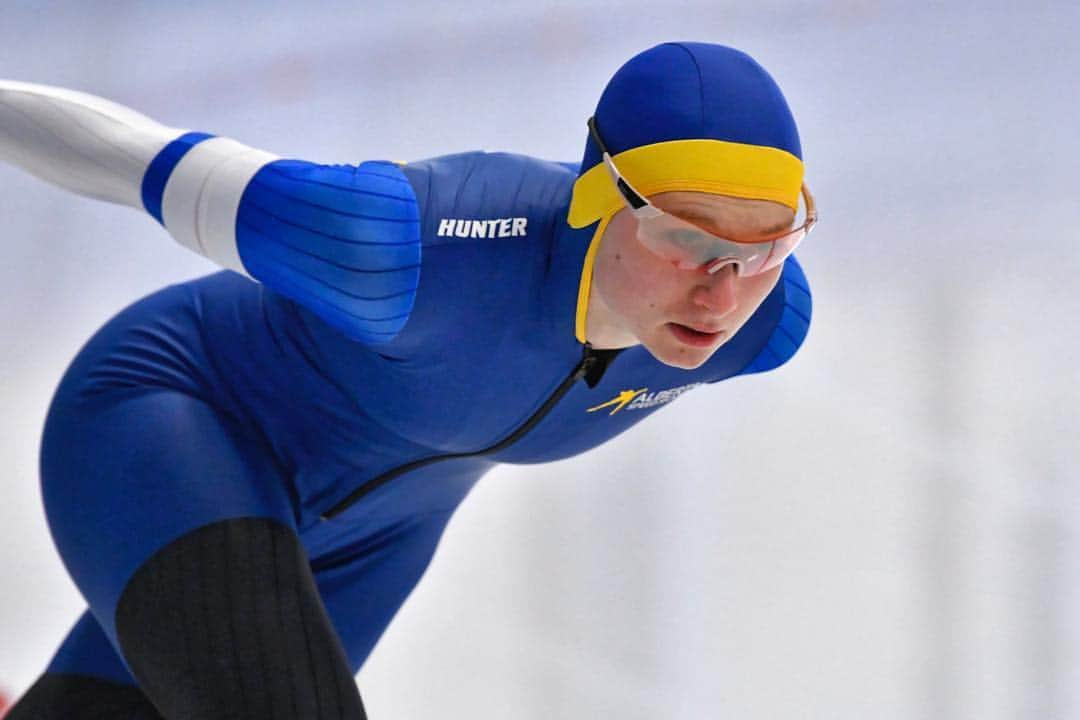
161, 167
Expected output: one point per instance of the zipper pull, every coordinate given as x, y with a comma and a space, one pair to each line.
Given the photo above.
594, 363
589, 358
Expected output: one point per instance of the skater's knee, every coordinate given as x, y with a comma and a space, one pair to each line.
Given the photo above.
226, 621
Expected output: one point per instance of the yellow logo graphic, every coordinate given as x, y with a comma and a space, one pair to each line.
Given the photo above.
643, 399
620, 401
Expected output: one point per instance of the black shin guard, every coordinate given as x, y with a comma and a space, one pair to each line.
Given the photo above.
78, 697
226, 622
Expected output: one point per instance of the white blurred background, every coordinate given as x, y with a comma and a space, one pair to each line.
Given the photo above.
911, 547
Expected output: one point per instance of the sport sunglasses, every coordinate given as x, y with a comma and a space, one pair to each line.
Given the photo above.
690, 247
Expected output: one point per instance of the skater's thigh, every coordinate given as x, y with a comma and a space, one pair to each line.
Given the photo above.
363, 589
126, 471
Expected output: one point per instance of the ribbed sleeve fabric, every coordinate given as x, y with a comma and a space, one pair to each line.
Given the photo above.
794, 323
342, 241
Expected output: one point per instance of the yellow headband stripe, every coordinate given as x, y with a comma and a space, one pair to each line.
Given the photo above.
585, 284
755, 172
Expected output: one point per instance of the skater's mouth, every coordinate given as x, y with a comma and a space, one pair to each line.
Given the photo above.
694, 337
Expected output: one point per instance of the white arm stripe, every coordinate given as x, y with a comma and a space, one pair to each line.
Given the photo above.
203, 194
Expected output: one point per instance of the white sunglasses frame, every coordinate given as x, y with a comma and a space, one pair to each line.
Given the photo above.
644, 211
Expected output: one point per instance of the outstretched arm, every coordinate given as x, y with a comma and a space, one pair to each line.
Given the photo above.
80, 142
341, 240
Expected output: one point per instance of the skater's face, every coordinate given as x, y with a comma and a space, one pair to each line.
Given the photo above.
681, 316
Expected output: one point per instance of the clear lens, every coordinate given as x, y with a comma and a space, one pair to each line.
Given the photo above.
689, 247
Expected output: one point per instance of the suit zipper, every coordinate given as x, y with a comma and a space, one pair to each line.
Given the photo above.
589, 360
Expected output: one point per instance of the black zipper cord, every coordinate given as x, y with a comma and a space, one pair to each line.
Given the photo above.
591, 367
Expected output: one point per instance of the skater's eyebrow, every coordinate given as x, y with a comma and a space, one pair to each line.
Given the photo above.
707, 221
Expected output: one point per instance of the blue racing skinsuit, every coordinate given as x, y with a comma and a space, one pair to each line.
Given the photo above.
362, 423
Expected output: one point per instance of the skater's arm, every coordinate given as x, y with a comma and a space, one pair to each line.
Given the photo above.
784, 326
341, 240
83, 143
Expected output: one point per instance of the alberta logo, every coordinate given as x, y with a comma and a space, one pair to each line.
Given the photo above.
641, 399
